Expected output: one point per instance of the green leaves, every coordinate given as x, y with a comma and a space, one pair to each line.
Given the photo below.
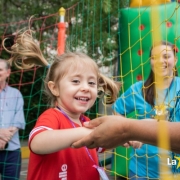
107, 6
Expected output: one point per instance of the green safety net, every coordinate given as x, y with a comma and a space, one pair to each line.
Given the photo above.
117, 37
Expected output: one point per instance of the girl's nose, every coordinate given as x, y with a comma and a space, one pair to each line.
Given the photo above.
85, 87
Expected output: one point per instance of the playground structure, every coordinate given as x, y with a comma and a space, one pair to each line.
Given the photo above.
137, 35
131, 37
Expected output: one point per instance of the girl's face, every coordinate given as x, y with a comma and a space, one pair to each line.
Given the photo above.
163, 61
77, 89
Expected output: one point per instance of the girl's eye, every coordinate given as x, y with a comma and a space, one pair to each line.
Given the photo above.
92, 83
76, 81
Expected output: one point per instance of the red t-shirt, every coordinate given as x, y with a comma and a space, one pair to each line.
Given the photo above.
67, 164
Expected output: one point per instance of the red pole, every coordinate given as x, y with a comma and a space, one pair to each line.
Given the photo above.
61, 32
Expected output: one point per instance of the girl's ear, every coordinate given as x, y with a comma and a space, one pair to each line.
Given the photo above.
54, 90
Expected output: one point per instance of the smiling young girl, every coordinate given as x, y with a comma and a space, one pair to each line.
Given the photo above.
71, 85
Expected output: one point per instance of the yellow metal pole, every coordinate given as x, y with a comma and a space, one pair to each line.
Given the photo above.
163, 137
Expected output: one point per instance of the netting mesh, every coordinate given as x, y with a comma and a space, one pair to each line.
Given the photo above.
119, 41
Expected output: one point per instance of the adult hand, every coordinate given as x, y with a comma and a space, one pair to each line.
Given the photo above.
2, 144
6, 134
109, 132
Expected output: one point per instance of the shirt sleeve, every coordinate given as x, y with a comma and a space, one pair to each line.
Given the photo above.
49, 120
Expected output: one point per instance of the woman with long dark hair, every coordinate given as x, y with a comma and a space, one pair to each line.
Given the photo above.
157, 98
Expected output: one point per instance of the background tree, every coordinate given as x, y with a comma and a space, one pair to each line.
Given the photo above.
92, 28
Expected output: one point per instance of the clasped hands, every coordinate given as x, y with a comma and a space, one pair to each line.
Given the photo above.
5, 136
109, 132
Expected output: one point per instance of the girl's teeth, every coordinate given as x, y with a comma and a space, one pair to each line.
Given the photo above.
82, 99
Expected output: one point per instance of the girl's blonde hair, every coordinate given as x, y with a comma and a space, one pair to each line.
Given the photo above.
26, 53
